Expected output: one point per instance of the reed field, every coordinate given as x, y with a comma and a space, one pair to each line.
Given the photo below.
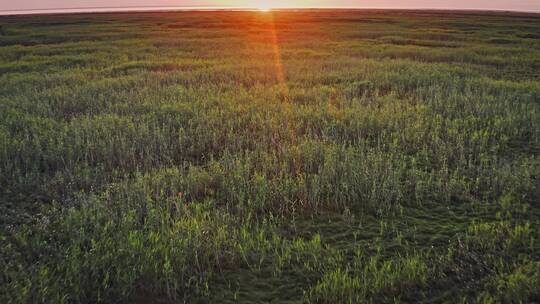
315, 156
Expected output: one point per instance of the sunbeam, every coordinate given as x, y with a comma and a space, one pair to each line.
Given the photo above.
280, 74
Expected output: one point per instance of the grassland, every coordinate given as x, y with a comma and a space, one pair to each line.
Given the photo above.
317, 157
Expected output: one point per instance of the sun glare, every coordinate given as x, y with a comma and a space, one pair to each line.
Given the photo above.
264, 6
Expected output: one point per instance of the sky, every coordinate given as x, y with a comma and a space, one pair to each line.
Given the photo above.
521, 5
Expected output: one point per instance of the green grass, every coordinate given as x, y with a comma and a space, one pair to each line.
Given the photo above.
302, 157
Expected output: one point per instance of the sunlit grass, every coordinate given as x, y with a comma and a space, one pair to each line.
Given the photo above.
319, 157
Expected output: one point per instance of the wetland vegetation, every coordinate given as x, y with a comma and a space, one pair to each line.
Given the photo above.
290, 156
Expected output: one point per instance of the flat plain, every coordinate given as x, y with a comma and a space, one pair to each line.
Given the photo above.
319, 156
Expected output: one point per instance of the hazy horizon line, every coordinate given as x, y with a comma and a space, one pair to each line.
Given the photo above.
165, 8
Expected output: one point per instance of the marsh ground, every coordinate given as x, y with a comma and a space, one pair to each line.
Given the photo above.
320, 157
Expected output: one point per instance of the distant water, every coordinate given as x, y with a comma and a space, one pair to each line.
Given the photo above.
214, 8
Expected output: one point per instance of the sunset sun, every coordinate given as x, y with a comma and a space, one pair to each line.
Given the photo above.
264, 5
